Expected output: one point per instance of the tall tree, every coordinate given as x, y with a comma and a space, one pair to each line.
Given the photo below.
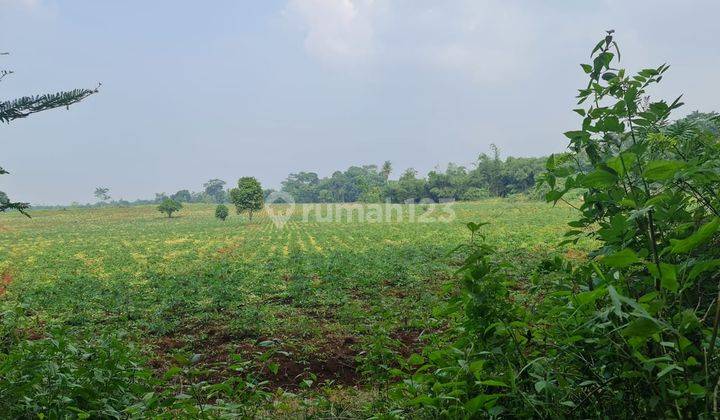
215, 188
22, 107
248, 196
182, 196
159, 197
386, 170
102, 193
302, 186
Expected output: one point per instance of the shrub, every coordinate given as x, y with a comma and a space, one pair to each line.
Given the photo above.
221, 212
59, 374
169, 206
633, 332
475, 194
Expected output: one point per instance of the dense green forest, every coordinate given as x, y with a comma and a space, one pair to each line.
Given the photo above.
490, 177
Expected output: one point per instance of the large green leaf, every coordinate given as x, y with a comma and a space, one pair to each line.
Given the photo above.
622, 162
658, 170
702, 235
621, 259
667, 275
641, 327
482, 401
702, 267
599, 179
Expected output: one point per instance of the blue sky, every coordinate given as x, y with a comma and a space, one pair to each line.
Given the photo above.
198, 90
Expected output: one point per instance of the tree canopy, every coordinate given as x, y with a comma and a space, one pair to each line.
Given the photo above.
169, 206
102, 193
215, 188
491, 176
248, 196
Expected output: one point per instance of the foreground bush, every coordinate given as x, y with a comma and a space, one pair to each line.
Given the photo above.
632, 332
56, 374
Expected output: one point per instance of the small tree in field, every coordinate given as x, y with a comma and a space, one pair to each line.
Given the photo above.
248, 196
102, 193
169, 206
221, 212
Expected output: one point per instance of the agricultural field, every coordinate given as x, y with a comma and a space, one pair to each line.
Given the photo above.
312, 308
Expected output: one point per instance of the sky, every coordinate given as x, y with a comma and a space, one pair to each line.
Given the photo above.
222, 89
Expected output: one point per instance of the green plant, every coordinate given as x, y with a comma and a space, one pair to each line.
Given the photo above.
480, 366
651, 200
633, 331
221, 212
57, 373
248, 196
200, 289
169, 206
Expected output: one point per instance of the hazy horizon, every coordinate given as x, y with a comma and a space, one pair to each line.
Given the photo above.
193, 91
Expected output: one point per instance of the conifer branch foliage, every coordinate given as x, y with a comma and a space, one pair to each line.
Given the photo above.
22, 107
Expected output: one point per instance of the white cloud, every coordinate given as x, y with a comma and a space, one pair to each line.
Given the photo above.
336, 30
486, 41
483, 40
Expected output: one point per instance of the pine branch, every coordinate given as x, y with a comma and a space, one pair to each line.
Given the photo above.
22, 107
6, 205
4, 73
21, 207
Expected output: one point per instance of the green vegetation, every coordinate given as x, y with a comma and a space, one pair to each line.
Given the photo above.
491, 177
631, 332
214, 188
114, 312
248, 196
221, 212
169, 206
141, 316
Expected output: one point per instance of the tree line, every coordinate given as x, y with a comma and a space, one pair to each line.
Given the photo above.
491, 176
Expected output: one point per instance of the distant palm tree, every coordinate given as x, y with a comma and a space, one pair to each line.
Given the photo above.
386, 169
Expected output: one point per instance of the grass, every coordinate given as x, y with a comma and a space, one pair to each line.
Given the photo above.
335, 301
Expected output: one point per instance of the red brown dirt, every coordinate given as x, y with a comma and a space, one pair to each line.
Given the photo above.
5, 281
332, 361
575, 255
411, 339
